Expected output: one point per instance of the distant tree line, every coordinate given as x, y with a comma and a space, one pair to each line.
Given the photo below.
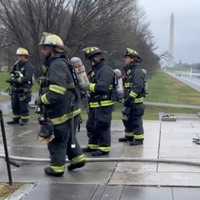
112, 25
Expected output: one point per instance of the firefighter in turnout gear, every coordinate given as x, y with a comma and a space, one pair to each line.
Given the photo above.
134, 86
20, 87
100, 103
60, 108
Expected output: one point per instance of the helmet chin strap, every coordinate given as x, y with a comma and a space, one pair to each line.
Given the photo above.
93, 61
96, 60
49, 55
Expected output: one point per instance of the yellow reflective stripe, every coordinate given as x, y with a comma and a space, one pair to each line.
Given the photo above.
127, 85
139, 136
58, 169
92, 87
78, 159
25, 117
104, 149
110, 87
101, 104
44, 99
133, 94
130, 134
76, 112
93, 146
106, 103
139, 100
60, 120
57, 89
94, 105
16, 116
65, 117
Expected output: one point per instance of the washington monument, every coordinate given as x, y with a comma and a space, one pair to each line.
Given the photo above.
172, 39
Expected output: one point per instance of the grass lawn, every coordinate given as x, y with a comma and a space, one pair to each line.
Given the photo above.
4, 85
151, 112
163, 88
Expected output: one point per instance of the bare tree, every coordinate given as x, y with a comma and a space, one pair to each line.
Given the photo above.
110, 24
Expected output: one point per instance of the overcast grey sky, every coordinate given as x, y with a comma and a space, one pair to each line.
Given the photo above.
187, 26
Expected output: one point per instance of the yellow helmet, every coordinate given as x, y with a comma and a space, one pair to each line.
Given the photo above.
91, 51
22, 52
131, 52
49, 39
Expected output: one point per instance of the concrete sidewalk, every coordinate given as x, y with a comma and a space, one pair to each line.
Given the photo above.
120, 179
107, 192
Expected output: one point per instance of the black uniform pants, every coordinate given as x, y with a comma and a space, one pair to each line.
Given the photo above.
133, 121
20, 104
64, 143
98, 127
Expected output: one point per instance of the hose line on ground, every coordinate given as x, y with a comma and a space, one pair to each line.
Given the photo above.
107, 160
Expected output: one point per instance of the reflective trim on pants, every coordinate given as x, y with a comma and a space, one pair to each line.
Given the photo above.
16, 116
93, 146
58, 169
104, 149
78, 159
25, 117
131, 134
139, 136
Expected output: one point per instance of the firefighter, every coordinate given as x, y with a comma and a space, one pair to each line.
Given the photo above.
20, 87
60, 107
134, 86
100, 103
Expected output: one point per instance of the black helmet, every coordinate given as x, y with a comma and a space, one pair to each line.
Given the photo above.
91, 52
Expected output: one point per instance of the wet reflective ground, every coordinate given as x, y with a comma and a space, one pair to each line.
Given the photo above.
113, 180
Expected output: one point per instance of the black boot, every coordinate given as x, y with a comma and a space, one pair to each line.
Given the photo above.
99, 153
49, 171
136, 142
88, 150
24, 122
14, 121
123, 139
74, 166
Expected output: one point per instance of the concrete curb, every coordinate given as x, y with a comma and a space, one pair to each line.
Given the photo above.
22, 192
172, 105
